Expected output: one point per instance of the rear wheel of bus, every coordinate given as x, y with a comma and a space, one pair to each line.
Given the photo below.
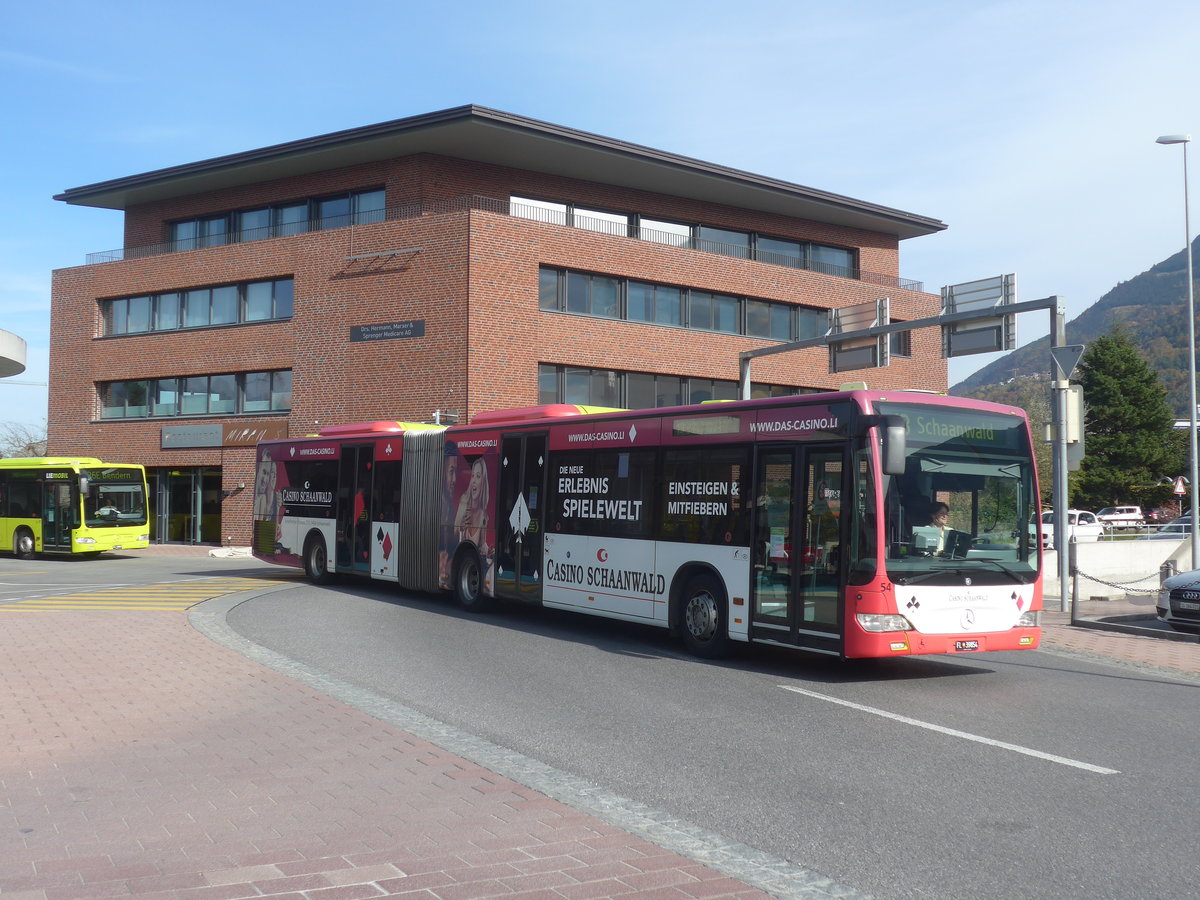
468, 582
23, 543
316, 560
702, 618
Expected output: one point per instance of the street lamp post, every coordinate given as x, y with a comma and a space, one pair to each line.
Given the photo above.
1194, 487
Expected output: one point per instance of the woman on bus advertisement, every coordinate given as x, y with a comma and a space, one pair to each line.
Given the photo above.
468, 517
267, 508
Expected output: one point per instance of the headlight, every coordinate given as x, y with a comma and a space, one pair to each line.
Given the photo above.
85, 540
876, 622
1030, 619
143, 537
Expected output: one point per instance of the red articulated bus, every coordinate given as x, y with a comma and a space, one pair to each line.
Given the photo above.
813, 522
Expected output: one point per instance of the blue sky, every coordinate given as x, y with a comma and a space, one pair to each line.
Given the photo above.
1027, 126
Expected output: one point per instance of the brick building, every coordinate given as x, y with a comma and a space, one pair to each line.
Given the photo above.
434, 267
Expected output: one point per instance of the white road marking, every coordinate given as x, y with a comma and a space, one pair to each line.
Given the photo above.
953, 732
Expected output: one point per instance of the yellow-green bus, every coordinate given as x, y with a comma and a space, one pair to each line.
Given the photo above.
71, 504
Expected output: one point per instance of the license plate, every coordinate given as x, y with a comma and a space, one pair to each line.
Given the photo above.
118, 547
1183, 604
963, 646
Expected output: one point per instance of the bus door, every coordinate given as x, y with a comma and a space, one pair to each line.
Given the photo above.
354, 508
521, 515
797, 547
57, 518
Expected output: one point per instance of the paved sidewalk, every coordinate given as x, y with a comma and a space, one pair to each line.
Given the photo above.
143, 759
1116, 630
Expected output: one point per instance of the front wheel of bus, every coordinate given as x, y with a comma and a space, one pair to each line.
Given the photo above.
23, 543
702, 617
316, 560
468, 583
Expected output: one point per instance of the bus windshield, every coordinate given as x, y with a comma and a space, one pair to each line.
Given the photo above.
961, 505
113, 497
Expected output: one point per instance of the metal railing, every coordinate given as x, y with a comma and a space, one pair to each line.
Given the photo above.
418, 209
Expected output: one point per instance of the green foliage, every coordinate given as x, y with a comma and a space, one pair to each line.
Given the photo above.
1130, 437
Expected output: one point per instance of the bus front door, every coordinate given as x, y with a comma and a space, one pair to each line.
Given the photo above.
521, 516
797, 544
57, 518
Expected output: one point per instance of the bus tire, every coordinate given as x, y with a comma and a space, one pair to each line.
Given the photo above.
702, 617
468, 583
23, 543
316, 560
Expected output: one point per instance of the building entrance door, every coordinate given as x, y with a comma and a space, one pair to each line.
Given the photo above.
186, 505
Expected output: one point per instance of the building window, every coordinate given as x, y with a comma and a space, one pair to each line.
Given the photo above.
900, 343
599, 220
593, 295
778, 251
581, 293
832, 261
538, 210
713, 312
198, 395
723, 241
280, 220
656, 303
230, 304
676, 234
639, 390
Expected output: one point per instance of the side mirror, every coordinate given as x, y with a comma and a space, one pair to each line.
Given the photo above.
83, 485
894, 436
895, 445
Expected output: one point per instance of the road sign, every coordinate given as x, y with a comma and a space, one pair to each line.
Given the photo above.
1066, 357
982, 333
1181, 485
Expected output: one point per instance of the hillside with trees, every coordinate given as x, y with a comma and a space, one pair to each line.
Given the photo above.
1152, 309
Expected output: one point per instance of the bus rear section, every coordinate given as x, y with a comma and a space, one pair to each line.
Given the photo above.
361, 499
71, 505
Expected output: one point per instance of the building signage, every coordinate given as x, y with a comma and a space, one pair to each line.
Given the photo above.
387, 331
219, 434
175, 437
249, 435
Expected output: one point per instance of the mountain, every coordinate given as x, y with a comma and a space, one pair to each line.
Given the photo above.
1151, 306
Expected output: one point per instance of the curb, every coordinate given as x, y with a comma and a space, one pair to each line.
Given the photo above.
1126, 625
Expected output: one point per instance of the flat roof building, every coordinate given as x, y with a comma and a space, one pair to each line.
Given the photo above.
434, 267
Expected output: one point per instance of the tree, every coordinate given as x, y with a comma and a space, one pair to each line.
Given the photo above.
1130, 439
18, 439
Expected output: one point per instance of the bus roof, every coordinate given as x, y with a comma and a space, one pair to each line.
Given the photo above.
33, 462
548, 411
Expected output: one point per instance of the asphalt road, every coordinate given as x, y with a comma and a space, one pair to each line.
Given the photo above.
1005, 775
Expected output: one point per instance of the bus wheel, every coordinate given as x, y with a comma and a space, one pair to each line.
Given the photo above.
703, 617
316, 560
468, 583
23, 543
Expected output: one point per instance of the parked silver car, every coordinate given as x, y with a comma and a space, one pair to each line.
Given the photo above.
1175, 530
1179, 602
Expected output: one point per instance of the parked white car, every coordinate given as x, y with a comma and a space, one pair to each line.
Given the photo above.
1082, 525
1122, 516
